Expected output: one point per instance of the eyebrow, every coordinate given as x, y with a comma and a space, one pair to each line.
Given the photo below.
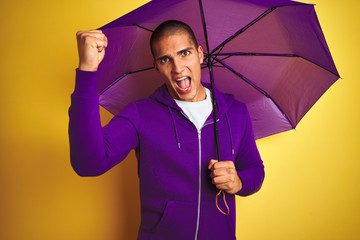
185, 49
179, 52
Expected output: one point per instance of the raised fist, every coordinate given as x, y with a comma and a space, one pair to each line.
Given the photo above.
91, 48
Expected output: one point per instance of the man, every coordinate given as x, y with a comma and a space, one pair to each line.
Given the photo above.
172, 134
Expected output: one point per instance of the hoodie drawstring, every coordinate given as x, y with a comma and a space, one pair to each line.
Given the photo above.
175, 130
231, 141
232, 152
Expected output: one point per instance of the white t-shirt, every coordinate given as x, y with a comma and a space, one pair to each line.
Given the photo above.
197, 112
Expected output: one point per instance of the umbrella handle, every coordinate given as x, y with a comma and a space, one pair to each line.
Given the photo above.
227, 207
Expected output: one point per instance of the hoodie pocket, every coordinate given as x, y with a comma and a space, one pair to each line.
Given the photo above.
178, 222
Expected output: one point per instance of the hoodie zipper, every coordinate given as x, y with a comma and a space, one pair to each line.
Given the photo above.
199, 193
200, 182
200, 172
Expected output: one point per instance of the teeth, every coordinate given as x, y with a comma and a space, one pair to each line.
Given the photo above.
180, 79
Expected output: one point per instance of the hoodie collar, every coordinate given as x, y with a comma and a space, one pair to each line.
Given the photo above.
224, 101
162, 96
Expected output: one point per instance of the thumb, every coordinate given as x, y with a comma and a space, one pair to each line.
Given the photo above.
211, 163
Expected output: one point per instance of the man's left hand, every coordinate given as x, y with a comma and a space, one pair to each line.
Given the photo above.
224, 176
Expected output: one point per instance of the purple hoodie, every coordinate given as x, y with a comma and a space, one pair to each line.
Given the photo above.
177, 196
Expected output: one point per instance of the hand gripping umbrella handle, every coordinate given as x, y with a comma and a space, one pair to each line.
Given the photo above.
216, 132
219, 159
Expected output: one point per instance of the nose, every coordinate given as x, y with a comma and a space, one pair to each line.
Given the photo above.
178, 66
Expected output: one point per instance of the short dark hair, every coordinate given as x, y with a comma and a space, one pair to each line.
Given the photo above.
171, 27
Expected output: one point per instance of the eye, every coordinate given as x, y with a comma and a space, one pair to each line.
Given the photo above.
164, 60
185, 52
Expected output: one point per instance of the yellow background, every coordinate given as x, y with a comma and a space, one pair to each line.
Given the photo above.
311, 187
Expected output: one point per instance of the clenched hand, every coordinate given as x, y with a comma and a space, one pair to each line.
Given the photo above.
91, 48
224, 176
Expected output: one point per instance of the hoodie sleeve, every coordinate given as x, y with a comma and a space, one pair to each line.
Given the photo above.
248, 163
95, 149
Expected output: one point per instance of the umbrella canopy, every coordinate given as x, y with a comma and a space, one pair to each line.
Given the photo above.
271, 54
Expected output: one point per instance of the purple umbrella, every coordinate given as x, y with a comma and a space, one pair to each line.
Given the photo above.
271, 54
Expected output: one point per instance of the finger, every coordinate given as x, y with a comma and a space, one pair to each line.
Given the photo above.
86, 36
223, 172
230, 187
224, 164
223, 180
89, 31
101, 45
211, 163
106, 41
226, 187
95, 43
82, 35
95, 31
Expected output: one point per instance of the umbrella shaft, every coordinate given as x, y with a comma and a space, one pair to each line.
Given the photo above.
217, 138
214, 103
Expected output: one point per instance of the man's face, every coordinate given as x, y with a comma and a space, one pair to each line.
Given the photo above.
178, 61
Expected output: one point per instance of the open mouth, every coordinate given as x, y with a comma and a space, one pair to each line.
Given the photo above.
184, 84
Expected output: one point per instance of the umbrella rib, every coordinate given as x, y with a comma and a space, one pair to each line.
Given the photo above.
204, 66
258, 54
252, 23
245, 28
204, 27
273, 55
225, 58
137, 25
121, 77
215, 57
263, 92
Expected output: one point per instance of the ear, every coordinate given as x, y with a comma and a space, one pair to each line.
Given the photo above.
201, 54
